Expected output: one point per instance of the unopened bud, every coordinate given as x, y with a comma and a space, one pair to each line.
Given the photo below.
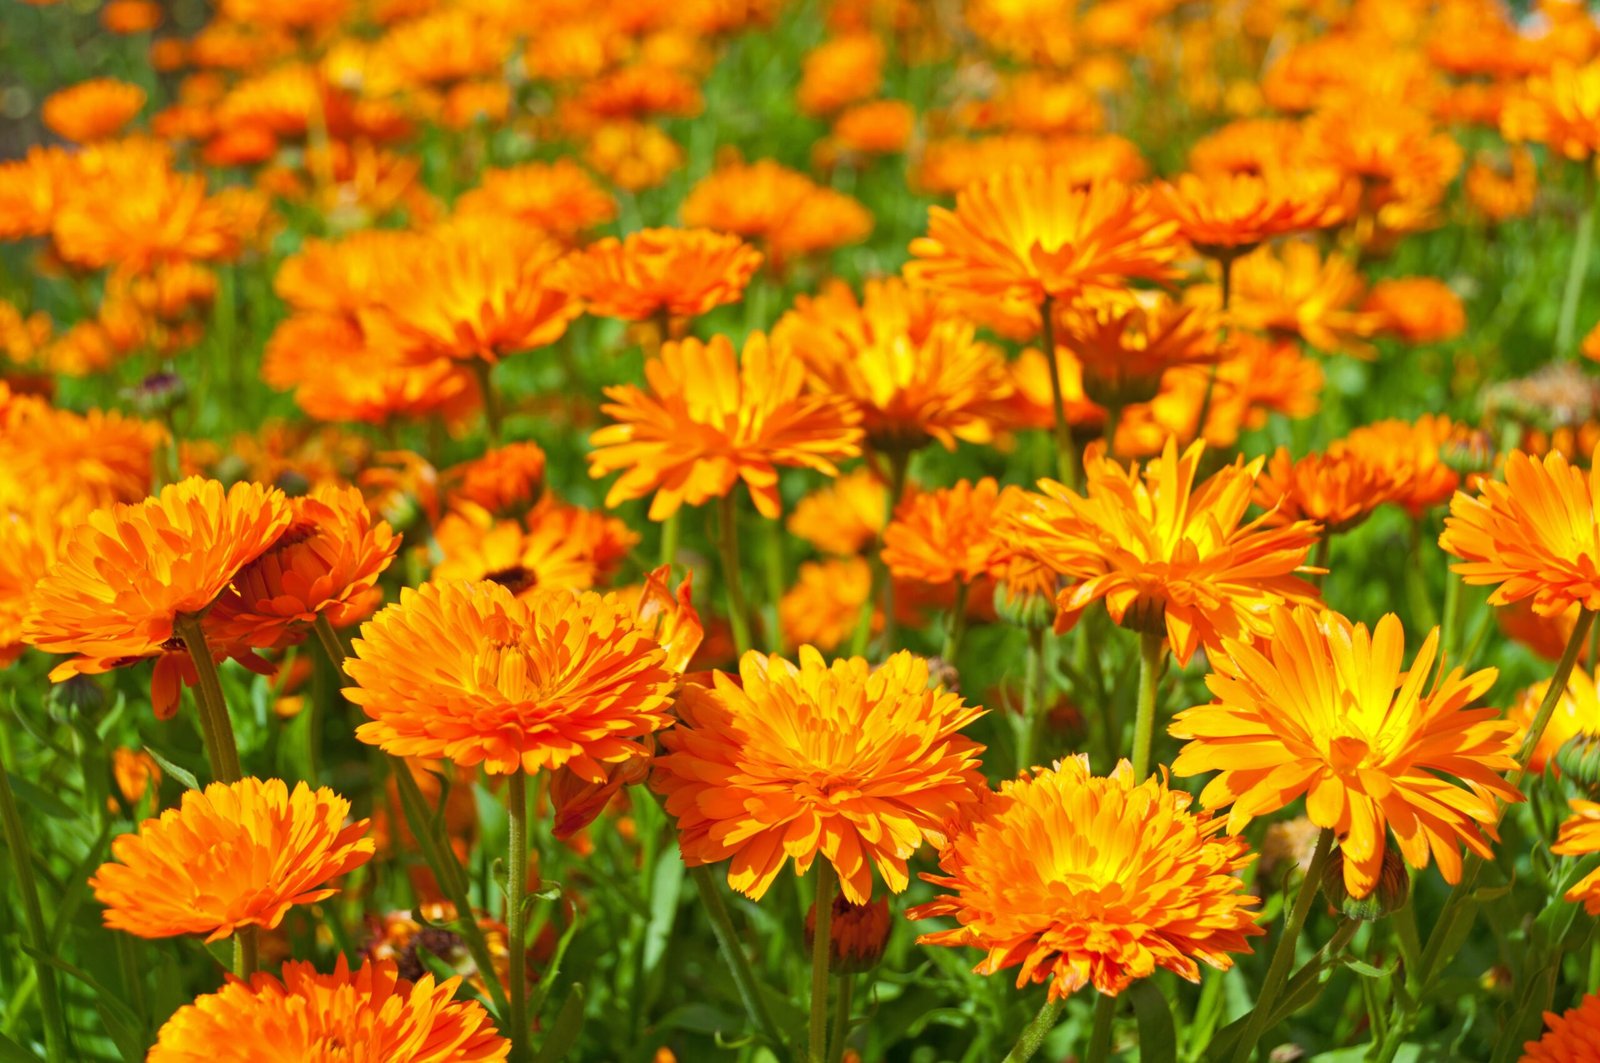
858, 932
1578, 759
1391, 892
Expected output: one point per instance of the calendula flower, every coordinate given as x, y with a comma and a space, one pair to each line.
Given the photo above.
1226, 214
1560, 109
845, 516
915, 374
659, 273
856, 765
1080, 880
1125, 344
1296, 292
553, 546
506, 480
558, 198
27, 548
712, 418
840, 71
879, 127
1579, 836
1337, 489
470, 672
785, 211
824, 606
305, 1015
123, 578
1410, 454
632, 155
1569, 1037
232, 855
951, 534
92, 110
1325, 709
326, 563
1578, 712
949, 165
1029, 235
57, 460
1502, 193
1169, 556
1416, 309
1533, 535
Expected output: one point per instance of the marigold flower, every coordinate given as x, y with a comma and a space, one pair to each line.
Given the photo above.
824, 606
131, 16
1324, 709
915, 373
1030, 235
656, 273
632, 155
1578, 712
506, 480
844, 516
949, 165
879, 127
1580, 835
558, 198
788, 213
1534, 534
1145, 883
1166, 555
1569, 1037
326, 563
92, 110
306, 1015
840, 71
555, 546
775, 766
1337, 489
1503, 194
712, 418
470, 672
1560, 109
1410, 453
232, 855
54, 459
1125, 344
951, 534
27, 549
1417, 309
1224, 215
1296, 292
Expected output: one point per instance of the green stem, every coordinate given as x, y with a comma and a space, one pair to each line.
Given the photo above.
484, 371
55, 1027
1577, 271
1066, 456
957, 628
744, 978
732, 580
1036, 1031
246, 952
773, 562
1033, 708
671, 531
1553, 694
1283, 955
516, 912
1105, 1014
821, 951
899, 465
216, 727
841, 1018
1151, 657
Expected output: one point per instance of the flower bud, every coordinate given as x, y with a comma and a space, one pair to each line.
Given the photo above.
1578, 759
858, 933
1392, 891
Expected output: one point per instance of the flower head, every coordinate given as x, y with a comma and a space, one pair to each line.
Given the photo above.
1325, 709
92, 110
1568, 1037
785, 211
856, 765
371, 1014
675, 273
949, 535
470, 672
232, 855
558, 198
1224, 214
1580, 835
1081, 880
1169, 556
844, 516
1337, 489
712, 418
1578, 712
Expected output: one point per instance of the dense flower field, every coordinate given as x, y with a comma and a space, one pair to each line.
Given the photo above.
793, 531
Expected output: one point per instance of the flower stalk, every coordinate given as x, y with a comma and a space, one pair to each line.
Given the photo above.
732, 580
516, 911
216, 727
821, 951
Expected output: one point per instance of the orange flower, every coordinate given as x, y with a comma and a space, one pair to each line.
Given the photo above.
1503, 194
1125, 344
1325, 709
914, 373
506, 480
786, 211
1084, 880
632, 155
840, 71
949, 535
92, 110
824, 606
326, 563
124, 576
1410, 455
843, 517
1578, 712
1568, 1037
880, 127
233, 855
27, 549
1560, 109
558, 546
1337, 489
131, 16
949, 165
1535, 534
1295, 292
558, 198
713, 418
656, 273
306, 1015
1167, 556
1417, 309
469, 672
858, 765
57, 460
1580, 835
1224, 215
1024, 236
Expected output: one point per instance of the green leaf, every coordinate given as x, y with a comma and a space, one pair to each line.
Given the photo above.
11, 1052
188, 780
565, 1030
1367, 970
40, 799
666, 888
1158, 1040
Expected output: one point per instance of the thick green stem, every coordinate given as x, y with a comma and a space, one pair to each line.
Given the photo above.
1105, 1015
957, 628
821, 950
732, 579
516, 911
671, 530
841, 1018
1553, 694
216, 727
1283, 955
744, 978
1033, 699
484, 371
1066, 452
55, 1027
1577, 271
1151, 657
246, 950
1036, 1031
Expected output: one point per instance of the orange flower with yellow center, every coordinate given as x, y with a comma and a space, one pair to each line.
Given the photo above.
554, 546
1578, 712
1166, 555
1536, 535
949, 535
713, 418
1027, 235
301, 1014
1081, 880
659, 273
1125, 345
914, 373
1416, 309
92, 110
1579, 836
230, 856
57, 460
854, 764
1326, 709
1337, 489
1226, 214
470, 672
823, 607
1294, 291
1560, 109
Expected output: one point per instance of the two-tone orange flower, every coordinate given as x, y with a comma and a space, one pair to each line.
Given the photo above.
659, 273
1568, 1037
232, 855
845, 516
305, 1015
856, 765
1081, 880
1325, 709
1226, 214
1337, 489
92, 110
713, 418
472, 673
1169, 556
950, 535
1579, 836
1578, 711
